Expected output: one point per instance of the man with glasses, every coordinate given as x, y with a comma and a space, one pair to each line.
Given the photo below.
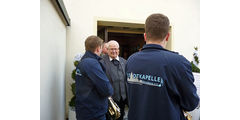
115, 70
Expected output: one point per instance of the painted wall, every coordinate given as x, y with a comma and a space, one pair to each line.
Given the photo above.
183, 14
53, 61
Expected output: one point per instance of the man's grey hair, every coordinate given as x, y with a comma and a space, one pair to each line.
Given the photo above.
113, 42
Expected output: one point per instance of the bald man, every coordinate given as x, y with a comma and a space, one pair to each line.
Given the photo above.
104, 49
115, 70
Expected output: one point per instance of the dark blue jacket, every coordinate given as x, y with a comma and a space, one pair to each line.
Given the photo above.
160, 85
92, 88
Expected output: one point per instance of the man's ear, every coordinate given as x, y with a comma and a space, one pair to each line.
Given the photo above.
145, 37
167, 36
98, 49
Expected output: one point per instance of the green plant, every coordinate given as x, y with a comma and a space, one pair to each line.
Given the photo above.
195, 68
73, 85
195, 62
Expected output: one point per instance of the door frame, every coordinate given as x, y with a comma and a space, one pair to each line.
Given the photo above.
127, 23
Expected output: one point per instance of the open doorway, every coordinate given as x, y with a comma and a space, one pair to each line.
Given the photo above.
129, 43
128, 35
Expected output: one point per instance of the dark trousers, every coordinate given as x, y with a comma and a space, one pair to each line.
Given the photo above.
102, 117
121, 104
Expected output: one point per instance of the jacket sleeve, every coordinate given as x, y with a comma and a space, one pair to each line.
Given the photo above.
95, 72
183, 85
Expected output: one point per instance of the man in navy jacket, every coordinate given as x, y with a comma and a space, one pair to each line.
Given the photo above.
160, 82
92, 85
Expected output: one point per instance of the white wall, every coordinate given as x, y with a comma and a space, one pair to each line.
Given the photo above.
53, 61
183, 15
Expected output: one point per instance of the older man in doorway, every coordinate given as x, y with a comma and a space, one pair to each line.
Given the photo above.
115, 70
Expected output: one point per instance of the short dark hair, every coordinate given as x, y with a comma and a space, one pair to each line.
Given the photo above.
92, 42
156, 26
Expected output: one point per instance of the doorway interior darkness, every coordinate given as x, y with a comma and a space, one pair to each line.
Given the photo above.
128, 35
129, 43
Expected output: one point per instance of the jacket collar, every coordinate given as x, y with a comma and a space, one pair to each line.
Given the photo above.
89, 54
153, 46
117, 58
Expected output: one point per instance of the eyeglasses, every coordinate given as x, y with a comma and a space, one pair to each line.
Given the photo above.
112, 49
